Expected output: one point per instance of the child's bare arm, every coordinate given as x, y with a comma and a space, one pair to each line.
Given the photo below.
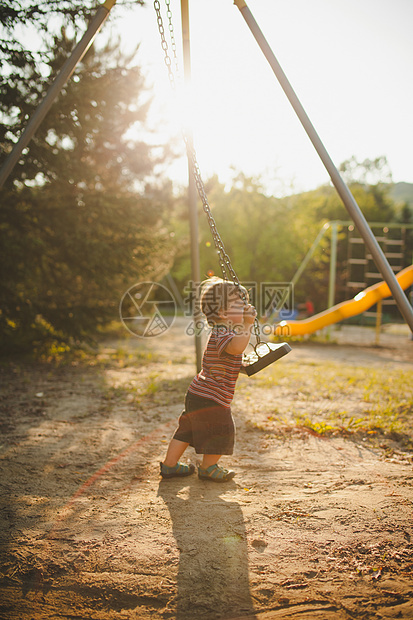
240, 341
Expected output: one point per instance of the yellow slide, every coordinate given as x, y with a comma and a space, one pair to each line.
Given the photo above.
360, 303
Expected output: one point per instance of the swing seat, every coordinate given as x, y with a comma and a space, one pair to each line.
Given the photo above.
263, 355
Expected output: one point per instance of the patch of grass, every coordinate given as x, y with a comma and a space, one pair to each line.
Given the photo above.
152, 388
152, 385
330, 398
121, 358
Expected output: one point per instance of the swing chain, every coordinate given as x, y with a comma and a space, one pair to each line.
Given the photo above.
172, 35
228, 272
227, 269
164, 44
224, 261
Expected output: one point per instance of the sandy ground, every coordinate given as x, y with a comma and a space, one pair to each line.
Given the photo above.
311, 527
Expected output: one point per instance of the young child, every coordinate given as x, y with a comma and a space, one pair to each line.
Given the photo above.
206, 423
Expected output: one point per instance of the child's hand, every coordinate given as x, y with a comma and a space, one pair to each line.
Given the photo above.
249, 314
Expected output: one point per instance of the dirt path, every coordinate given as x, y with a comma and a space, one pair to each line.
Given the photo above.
310, 527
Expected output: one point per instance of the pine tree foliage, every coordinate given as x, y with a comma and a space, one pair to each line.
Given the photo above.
84, 213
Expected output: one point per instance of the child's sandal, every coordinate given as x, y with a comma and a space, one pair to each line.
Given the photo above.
178, 470
215, 473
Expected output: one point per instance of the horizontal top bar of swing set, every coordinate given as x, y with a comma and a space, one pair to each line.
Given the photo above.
371, 224
343, 191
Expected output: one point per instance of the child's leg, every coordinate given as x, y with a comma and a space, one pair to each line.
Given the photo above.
210, 459
176, 449
210, 470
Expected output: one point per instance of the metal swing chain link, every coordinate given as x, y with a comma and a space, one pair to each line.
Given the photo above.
172, 35
164, 44
227, 269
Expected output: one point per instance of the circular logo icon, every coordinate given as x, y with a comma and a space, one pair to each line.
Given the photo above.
147, 309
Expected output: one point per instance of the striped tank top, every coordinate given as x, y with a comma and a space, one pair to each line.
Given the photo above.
219, 371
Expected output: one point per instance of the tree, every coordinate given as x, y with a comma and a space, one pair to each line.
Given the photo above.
84, 213
368, 172
267, 238
261, 235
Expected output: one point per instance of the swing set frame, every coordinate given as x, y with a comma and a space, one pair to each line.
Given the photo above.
195, 180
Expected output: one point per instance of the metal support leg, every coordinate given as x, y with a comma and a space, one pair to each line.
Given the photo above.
342, 189
333, 265
65, 73
192, 195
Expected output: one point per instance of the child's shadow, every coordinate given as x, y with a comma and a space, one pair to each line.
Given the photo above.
210, 536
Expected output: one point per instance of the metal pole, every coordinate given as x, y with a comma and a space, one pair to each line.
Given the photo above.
65, 73
192, 194
342, 189
333, 265
379, 315
333, 270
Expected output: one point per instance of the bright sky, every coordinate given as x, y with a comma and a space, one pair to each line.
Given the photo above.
349, 62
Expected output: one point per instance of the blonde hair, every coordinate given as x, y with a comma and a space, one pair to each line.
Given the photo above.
215, 296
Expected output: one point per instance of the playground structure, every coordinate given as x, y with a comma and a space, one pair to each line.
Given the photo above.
392, 285
396, 241
360, 303
361, 276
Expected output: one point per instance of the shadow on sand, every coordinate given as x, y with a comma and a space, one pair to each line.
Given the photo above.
210, 535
